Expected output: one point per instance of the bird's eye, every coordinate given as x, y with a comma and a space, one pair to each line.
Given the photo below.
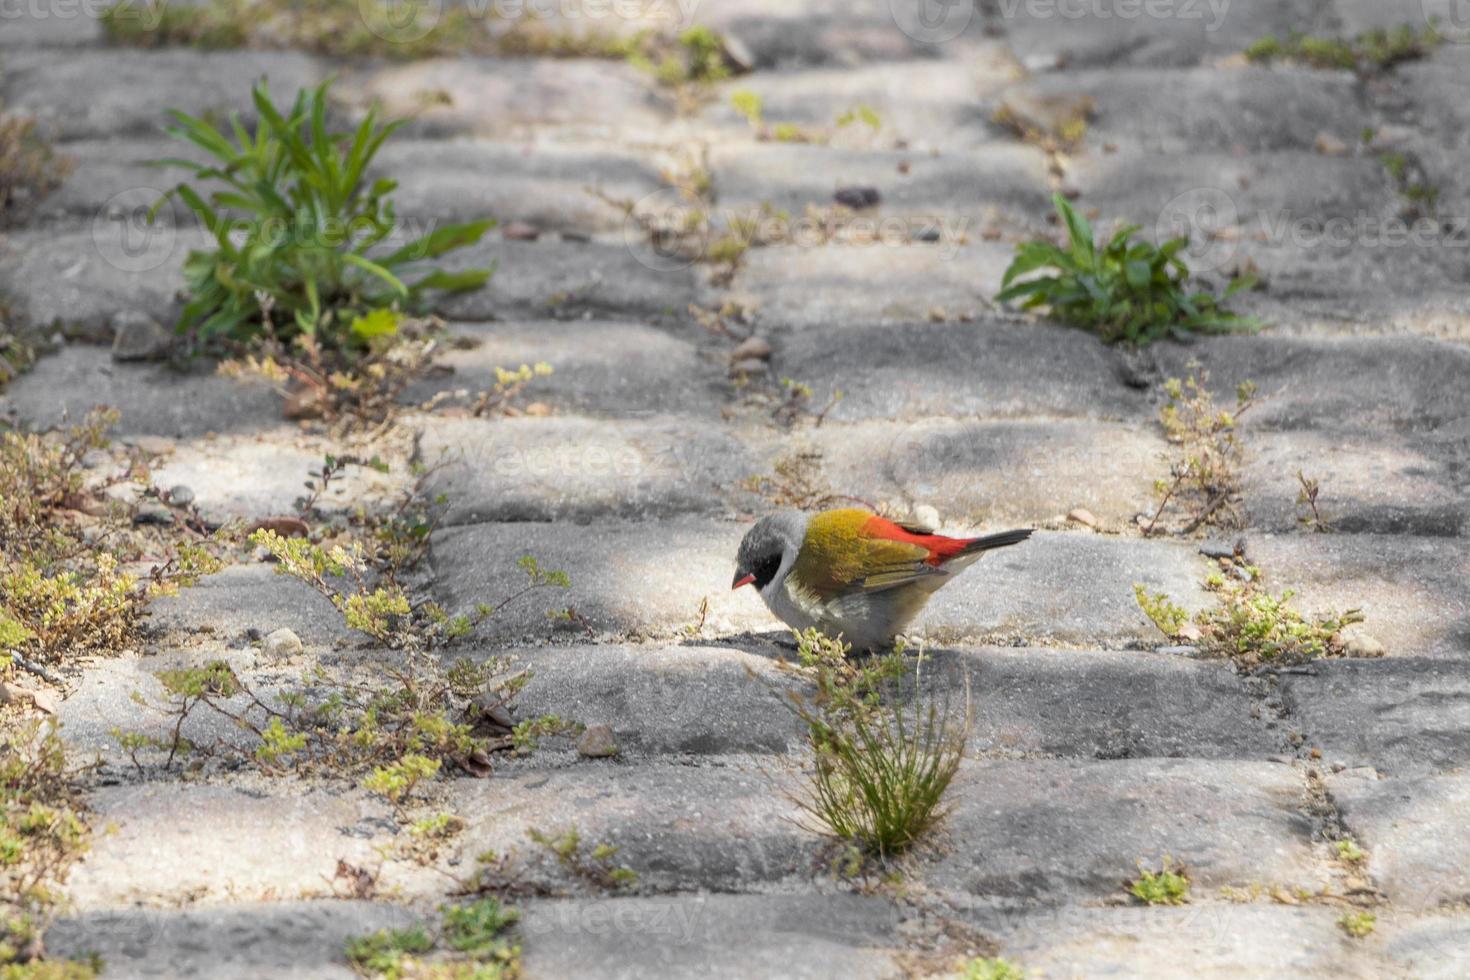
765, 570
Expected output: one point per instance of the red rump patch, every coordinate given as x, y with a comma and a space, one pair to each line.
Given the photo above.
941, 549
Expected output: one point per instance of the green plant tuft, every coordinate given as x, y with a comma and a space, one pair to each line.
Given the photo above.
991, 968
1125, 290
301, 235
884, 755
1168, 886
1358, 925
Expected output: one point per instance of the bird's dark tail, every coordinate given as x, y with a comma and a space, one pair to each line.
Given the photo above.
1002, 539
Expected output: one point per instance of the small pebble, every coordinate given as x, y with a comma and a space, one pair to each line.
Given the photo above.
282, 643
1358, 643
519, 231
153, 512
1217, 549
748, 366
857, 198
1083, 516
754, 347
926, 516
181, 495
597, 742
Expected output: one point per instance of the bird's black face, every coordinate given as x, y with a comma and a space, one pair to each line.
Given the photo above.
760, 558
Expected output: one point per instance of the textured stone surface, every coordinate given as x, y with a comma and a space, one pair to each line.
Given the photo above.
878, 282
1048, 830
151, 400
1110, 35
1104, 705
541, 469
651, 578
666, 700
1368, 482
544, 184
240, 941
566, 279
1411, 589
961, 190
83, 278
734, 936
1408, 827
601, 367
513, 98
1188, 110
986, 369
1010, 471
123, 92
725, 827
929, 103
1204, 939
249, 596
1403, 715
270, 840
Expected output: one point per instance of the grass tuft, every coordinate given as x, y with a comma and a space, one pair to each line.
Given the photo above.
1123, 290
881, 766
1373, 50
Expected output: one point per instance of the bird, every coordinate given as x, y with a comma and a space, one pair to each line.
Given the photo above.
851, 573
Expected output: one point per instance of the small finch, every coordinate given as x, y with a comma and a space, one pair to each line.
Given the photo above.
851, 572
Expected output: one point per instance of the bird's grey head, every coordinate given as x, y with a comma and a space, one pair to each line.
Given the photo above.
769, 549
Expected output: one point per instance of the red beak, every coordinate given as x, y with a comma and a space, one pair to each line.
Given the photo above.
741, 580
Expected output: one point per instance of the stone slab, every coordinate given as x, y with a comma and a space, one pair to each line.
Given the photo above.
152, 400
726, 827
666, 700
602, 367
948, 194
1193, 110
1403, 715
513, 98
253, 840
566, 468
542, 183
236, 941
1372, 482
82, 278
1413, 831
1095, 704
566, 279
124, 91
986, 369
1110, 36
732, 936
841, 287
1216, 940
1410, 588
1065, 829
928, 103
249, 596
1408, 384
992, 471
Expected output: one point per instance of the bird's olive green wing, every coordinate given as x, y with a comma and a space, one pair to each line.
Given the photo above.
840, 556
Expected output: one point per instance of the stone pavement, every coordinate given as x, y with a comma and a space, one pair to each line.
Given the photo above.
1093, 749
